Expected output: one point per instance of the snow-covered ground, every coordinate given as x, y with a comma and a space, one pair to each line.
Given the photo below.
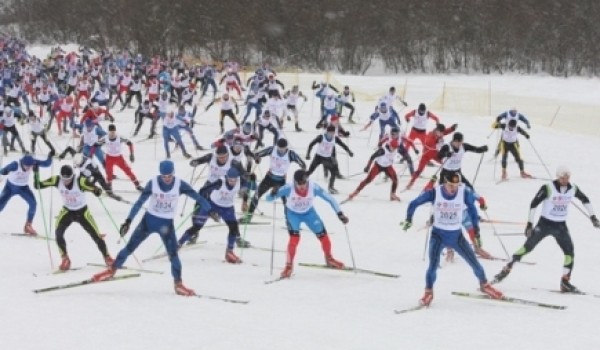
319, 309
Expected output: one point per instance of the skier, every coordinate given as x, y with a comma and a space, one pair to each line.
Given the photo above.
451, 155
291, 101
163, 191
448, 201
227, 106
510, 143
74, 209
434, 140
38, 129
505, 118
221, 195
419, 128
324, 155
555, 198
346, 99
281, 159
114, 156
386, 117
298, 198
18, 184
384, 161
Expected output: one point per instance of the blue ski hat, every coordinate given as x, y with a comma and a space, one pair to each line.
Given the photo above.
27, 160
166, 167
89, 123
233, 173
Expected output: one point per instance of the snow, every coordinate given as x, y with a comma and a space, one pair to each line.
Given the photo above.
320, 309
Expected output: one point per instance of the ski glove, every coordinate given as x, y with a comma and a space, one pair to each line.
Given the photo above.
595, 221
343, 218
482, 204
476, 237
194, 162
528, 230
97, 191
406, 225
131, 158
308, 157
350, 154
527, 137
125, 227
366, 169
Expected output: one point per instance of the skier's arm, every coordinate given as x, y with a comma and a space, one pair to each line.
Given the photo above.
283, 191
49, 182
146, 193
425, 197
539, 197
294, 157
327, 197
339, 141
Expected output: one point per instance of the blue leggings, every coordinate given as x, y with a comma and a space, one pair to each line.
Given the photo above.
455, 240
166, 230
11, 190
172, 133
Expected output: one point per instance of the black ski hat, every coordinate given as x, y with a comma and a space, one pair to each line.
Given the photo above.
66, 172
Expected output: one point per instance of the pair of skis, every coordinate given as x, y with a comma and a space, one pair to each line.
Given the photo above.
505, 299
123, 277
347, 269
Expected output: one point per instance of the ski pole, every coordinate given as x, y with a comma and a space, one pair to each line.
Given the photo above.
273, 240
186, 197
119, 231
350, 248
46, 231
426, 242
540, 158
496, 234
477, 171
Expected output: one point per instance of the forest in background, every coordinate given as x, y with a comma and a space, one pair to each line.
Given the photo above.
557, 37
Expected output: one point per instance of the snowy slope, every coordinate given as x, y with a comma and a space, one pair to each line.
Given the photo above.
317, 309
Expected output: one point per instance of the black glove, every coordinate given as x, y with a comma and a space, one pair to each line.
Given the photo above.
484, 148
274, 190
97, 191
416, 151
527, 136
476, 237
308, 157
257, 160
366, 169
347, 133
124, 227
454, 126
350, 154
51, 154
195, 162
343, 218
595, 221
131, 158
406, 225
528, 230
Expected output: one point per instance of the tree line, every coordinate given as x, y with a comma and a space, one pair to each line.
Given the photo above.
558, 37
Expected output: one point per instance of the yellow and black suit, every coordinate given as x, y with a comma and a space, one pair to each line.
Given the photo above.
81, 215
